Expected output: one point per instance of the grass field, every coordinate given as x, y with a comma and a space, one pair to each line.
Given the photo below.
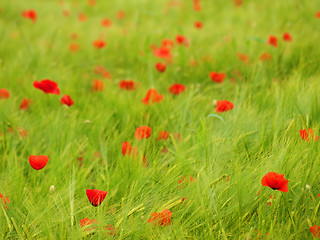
209, 170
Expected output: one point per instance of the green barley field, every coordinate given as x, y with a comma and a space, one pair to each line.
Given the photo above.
202, 159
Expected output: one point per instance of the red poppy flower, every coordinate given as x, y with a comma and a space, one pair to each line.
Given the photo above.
197, 5
106, 22
152, 97
177, 88
99, 44
98, 85
74, 35
275, 181
127, 85
217, 77
163, 135
99, 70
22, 132
47, 86
38, 162
161, 219
198, 24
92, 2
315, 230
25, 104
5, 201
180, 39
167, 43
306, 134
265, 56
102, 71
65, 13
287, 37
162, 52
318, 14
121, 15
4, 93
143, 132
96, 196
243, 57
111, 230
85, 222
270, 200
128, 150
223, 106
193, 62
66, 99
31, 14
160, 67
164, 150
74, 47
237, 3
273, 41
82, 17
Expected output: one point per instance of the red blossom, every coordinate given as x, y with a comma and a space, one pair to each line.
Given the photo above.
66, 99
98, 85
128, 150
237, 3
5, 201
22, 132
25, 104
163, 52
85, 222
121, 15
177, 88
143, 132
315, 230
273, 41
4, 93
306, 134
265, 56
102, 71
223, 106
96, 196
31, 14
198, 24
127, 85
161, 219
99, 44
82, 17
47, 86
65, 13
38, 162
243, 57
287, 37
197, 5
275, 181
106, 22
317, 14
180, 39
163, 135
92, 2
217, 77
74, 47
152, 96
74, 35
160, 67
167, 43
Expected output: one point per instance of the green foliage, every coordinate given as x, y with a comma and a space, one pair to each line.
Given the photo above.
227, 153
